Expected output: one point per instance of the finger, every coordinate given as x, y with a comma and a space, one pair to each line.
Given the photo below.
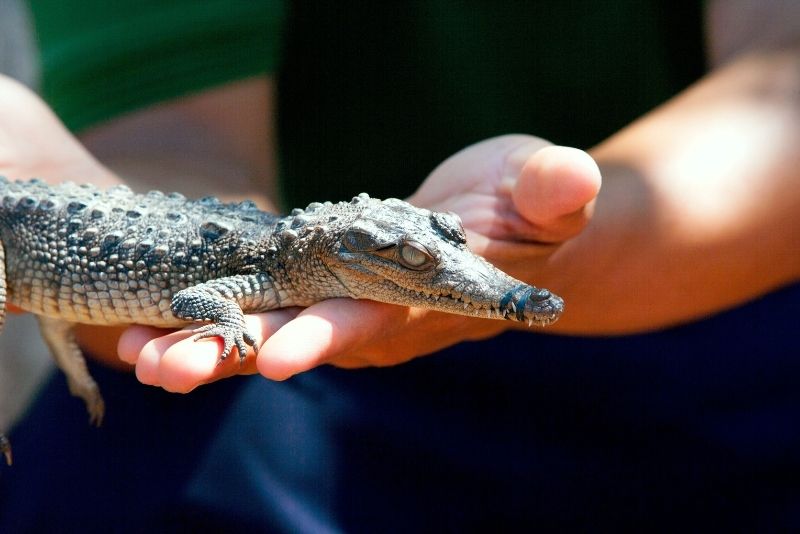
134, 339
325, 332
479, 168
555, 191
188, 364
178, 363
149, 357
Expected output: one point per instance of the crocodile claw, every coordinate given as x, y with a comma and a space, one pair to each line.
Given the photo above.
231, 336
96, 407
5, 448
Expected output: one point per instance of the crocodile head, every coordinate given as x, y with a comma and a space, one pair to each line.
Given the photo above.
397, 253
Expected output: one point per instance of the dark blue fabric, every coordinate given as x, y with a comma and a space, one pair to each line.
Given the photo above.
696, 426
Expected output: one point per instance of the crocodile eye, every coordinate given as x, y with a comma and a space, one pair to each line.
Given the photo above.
415, 256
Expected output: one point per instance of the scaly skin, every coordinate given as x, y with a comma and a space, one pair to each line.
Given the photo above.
75, 254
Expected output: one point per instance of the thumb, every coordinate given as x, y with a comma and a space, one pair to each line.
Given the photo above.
555, 190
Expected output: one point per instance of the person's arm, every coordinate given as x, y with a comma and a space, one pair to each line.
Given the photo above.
699, 207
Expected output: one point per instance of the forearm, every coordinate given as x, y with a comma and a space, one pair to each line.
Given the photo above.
698, 210
217, 142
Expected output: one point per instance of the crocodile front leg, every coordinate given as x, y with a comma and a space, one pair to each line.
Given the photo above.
221, 302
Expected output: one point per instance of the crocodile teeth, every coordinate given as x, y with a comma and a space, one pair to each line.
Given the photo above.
514, 306
530, 323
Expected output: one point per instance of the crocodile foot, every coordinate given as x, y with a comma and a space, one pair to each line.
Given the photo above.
231, 336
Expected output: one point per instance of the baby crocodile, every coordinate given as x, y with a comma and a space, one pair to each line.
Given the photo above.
76, 254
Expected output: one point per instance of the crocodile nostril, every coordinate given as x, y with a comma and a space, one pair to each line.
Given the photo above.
540, 295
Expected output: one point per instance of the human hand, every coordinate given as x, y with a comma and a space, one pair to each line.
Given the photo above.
519, 199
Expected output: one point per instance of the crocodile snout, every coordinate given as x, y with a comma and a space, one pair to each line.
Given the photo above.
530, 304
